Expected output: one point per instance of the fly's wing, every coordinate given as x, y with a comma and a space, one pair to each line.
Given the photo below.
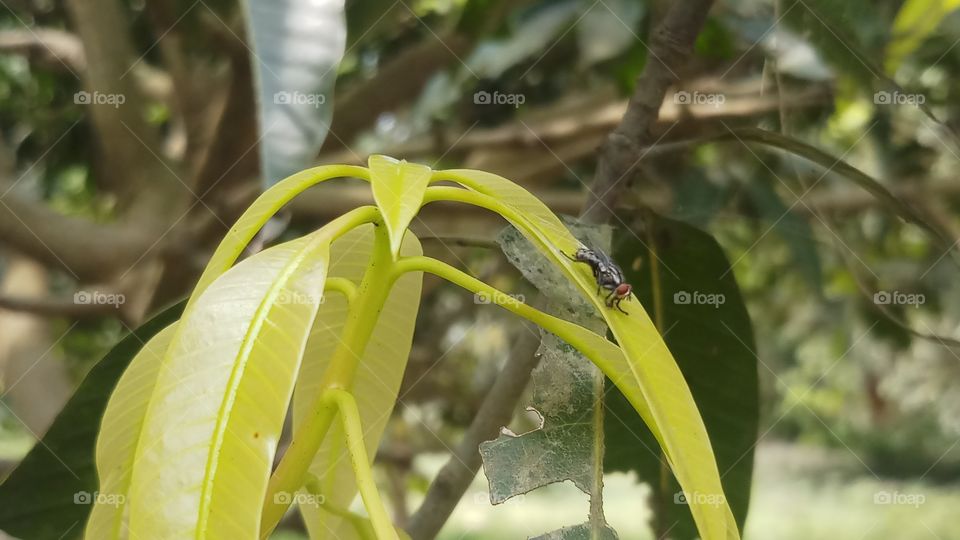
610, 274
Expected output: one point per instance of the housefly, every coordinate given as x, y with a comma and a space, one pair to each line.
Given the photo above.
609, 276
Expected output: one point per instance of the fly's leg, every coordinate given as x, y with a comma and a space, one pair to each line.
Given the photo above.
616, 304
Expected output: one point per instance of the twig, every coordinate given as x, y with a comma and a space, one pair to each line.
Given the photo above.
454, 478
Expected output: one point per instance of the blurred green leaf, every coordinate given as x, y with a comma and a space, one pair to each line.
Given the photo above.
49, 494
915, 21
794, 230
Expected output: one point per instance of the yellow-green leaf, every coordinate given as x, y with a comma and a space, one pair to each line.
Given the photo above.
377, 382
652, 366
398, 189
254, 217
217, 409
119, 432
915, 21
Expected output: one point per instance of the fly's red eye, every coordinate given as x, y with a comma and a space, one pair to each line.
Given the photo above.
623, 289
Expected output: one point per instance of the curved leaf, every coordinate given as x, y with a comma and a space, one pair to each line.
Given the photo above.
43, 498
377, 382
398, 189
119, 433
670, 402
217, 409
254, 217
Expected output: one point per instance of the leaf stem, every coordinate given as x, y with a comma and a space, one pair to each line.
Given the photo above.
352, 428
361, 319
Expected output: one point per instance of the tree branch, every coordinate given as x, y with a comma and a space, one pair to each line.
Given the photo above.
497, 409
672, 43
87, 250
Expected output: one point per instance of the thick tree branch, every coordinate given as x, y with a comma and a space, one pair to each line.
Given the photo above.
54, 48
87, 250
672, 43
130, 145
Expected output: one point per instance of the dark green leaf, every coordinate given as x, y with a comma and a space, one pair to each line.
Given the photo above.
44, 497
714, 347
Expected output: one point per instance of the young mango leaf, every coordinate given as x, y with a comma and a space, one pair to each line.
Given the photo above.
120, 432
655, 372
257, 214
377, 382
49, 495
708, 329
215, 416
296, 47
398, 189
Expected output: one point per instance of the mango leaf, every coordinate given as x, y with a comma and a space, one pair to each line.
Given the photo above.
214, 418
257, 214
708, 329
296, 47
915, 21
375, 387
48, 495
655, 372
398, 189
120, 432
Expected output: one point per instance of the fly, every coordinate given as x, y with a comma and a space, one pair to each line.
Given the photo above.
609, 276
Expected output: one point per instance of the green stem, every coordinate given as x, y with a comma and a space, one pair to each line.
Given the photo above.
458, 277
352, 428
359, 324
